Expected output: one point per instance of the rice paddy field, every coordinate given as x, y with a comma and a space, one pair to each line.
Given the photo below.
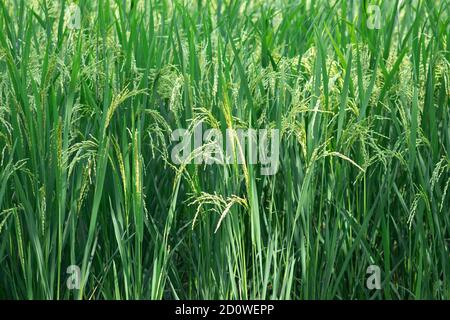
92, 205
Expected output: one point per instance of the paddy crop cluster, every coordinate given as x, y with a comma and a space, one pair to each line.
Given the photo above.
91, 92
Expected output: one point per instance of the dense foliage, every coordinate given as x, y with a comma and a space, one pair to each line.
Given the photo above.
86, 176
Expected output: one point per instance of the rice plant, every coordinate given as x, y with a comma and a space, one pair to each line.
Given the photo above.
91, 91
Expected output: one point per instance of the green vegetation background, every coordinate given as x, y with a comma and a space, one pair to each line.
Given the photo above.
86, 177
